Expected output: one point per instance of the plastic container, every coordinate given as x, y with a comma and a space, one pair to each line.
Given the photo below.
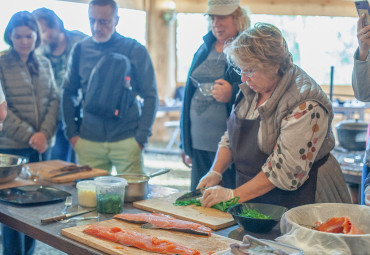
110, 194
86, 193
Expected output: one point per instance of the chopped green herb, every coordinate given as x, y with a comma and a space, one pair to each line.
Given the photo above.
253, 213
223, 206
188, 202
109, 203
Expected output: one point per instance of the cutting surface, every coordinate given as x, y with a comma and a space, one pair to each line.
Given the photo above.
204, 244
212, 218
49, 168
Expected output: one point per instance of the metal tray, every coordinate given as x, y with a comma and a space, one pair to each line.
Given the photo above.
32, 194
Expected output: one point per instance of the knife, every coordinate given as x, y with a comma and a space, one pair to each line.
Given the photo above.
77, 170
191, 195
64, 216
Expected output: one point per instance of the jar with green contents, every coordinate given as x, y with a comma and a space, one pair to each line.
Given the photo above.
110, 193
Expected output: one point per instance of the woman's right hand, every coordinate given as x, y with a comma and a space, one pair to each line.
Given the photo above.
186, 159
212, 178
363, 36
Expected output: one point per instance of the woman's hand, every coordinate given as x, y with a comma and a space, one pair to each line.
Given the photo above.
363, 36
38, 142
216, 195
186, 159
367, 195
73, 140
211, 179
222, 91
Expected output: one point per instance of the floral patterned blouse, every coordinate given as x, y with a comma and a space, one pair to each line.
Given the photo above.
302, 134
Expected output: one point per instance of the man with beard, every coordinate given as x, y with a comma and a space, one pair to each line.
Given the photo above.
57, 43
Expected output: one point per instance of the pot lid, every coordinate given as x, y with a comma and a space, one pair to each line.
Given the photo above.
355, 124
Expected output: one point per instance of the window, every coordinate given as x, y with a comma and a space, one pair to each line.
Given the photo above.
316, 43
75, 17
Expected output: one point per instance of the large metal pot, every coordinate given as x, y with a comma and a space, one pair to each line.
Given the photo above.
352, 134
138, 188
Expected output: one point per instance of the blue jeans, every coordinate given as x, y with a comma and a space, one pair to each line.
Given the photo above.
62, 149
14, 242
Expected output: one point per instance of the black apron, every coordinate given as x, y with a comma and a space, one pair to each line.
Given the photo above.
249, 159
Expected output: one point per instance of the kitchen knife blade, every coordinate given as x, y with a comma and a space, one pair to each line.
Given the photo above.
191, 195
64, 216
77, 170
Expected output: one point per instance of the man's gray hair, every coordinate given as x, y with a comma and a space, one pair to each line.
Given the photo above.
112, 3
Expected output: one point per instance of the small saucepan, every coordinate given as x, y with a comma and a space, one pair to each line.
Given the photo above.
138, 188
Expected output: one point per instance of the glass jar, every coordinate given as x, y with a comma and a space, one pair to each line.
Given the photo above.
86, 193
110, 193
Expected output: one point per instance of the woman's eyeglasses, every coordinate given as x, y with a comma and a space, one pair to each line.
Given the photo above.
248, 74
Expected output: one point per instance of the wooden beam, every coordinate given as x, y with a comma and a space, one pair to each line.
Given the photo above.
129, 4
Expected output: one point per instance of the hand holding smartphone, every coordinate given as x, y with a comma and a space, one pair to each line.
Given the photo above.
363, 8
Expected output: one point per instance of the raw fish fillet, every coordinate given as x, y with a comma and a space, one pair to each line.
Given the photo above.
154, 220
138, 240
339, 225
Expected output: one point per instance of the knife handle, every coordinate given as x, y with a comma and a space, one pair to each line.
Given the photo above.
53, 219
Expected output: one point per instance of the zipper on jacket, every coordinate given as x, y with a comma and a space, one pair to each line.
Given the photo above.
33, 89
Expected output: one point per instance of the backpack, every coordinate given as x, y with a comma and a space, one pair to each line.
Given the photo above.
109, 91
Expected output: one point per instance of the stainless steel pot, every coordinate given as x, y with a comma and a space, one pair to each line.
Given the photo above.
138, 188
352, 134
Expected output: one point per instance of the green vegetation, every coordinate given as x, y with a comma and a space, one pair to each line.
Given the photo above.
223, 206
253, 213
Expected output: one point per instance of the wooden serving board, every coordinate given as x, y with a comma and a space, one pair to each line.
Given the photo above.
212, 218
46, 168
204, 244
16, 183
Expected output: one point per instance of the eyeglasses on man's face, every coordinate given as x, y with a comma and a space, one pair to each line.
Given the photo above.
246, 73
101, 22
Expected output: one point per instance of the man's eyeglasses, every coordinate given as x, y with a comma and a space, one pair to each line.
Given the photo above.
248, 74
101, 22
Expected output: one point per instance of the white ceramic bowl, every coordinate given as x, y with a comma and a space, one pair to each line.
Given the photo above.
313, 241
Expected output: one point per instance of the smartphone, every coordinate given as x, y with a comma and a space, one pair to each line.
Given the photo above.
363, 7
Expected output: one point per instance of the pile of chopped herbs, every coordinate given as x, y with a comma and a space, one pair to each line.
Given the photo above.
253, 213
222, 206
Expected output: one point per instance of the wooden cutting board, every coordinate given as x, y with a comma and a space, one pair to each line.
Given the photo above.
204, 244
46, 168
212, 218
16, 183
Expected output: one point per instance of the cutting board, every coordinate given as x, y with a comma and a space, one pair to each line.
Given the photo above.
212, 218
16, 183
204, 244
47, 166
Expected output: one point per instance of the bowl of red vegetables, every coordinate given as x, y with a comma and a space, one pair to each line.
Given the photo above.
257, 217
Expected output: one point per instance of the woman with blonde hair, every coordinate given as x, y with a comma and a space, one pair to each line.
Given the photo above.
279, 133
203, 110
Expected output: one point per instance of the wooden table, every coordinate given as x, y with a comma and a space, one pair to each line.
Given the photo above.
26, 219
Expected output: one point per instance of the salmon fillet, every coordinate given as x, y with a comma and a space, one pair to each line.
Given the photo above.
339, 225
138, 240
154, 220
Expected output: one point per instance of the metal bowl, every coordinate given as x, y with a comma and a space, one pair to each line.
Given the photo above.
257, 225
10, 167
